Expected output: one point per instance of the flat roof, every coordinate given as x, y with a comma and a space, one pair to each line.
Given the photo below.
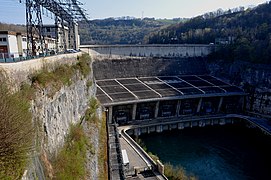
143, 89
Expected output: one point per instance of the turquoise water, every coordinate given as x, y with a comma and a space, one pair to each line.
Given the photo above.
231, 152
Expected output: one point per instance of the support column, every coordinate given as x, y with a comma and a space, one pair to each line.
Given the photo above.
134, 112
220, 104
156, 110
199, 105
110, 115
178, 108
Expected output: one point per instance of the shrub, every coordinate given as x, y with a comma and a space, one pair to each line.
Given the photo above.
102, 156
177, 173
16, 134
90, 115
84, 65
70, 162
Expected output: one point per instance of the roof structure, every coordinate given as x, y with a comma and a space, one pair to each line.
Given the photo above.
144, 89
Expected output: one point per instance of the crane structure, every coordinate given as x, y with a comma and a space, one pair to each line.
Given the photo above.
66, 12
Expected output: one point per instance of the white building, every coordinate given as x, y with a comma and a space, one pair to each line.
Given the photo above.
12, 44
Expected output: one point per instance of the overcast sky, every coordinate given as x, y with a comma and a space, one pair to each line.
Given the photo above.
11, 11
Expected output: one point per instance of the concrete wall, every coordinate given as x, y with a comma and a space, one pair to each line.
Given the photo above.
255, 79
132, 67
182, 50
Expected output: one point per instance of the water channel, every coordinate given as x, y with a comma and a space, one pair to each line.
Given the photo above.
233, 152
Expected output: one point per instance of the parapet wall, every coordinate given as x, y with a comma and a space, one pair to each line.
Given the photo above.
145, 67
20, 71
157, 50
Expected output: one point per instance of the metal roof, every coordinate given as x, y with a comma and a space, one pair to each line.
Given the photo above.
144, 89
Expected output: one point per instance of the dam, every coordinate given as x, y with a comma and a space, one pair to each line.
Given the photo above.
145, 94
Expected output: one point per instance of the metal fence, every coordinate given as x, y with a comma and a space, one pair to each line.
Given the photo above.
11, 58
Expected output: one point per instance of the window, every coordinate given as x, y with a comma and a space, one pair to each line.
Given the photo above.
3, 39
48, 29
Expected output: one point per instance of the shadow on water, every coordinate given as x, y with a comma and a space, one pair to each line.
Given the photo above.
217, 152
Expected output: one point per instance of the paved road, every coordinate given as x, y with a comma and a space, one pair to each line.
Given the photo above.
134, 159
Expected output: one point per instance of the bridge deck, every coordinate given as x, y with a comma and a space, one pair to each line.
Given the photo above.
123, 90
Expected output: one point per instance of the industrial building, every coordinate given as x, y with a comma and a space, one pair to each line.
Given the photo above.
146, 98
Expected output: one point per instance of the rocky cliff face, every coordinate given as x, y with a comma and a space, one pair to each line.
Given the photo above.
53, 113
56, 113
254, 78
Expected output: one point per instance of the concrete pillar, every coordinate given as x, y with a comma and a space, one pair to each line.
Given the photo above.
178, 108
110, 115
134, 112
137, 132
220, 104
156, 110
199, 105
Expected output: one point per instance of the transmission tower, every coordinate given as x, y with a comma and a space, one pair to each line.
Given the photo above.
67, 14
34, 27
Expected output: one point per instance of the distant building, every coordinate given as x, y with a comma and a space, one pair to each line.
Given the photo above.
65, 39
12, 44
224, 41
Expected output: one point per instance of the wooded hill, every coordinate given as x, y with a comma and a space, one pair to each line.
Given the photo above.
123, 30
242, 34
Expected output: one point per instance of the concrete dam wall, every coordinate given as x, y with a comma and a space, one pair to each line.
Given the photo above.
158, 50
144, 67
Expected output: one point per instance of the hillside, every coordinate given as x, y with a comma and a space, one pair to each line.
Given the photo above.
243, 34
124, 30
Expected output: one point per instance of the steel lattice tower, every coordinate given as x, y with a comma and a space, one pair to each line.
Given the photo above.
35, 39
67, 14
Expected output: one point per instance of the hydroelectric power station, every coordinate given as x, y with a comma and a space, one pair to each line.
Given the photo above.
153, 88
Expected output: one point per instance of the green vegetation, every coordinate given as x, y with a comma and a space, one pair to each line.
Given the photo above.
176, 173
90, 115
89, 84
120, 31
70, 162
83, 65
16, 127
61, 75
102, 156
242, 34
16, 133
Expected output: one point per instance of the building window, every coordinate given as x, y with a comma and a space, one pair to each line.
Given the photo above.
48, 29
3, 39
24, 39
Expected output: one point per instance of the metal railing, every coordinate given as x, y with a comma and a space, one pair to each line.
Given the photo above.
12, 58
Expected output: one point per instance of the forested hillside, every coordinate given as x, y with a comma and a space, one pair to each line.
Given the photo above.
12, 27
242, 34
124, 30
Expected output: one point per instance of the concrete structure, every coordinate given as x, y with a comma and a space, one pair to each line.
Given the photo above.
144, 67
157, 94
152, 50
147, 98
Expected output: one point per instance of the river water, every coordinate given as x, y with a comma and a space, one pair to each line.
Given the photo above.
232, 152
